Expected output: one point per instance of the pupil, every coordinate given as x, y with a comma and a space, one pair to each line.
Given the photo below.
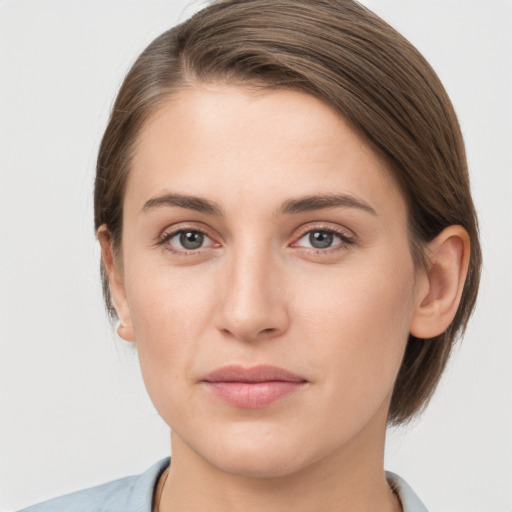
320, 239
191, 239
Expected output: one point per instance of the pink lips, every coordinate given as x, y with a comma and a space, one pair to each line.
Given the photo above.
252, 388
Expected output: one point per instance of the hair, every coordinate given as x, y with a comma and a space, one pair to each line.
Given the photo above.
349, 58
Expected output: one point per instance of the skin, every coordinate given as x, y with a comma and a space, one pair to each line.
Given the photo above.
257, 292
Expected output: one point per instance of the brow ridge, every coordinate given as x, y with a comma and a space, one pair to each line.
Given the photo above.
321, 201
183, 201
291, 206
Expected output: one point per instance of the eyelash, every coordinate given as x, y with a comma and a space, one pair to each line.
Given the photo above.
166, 236
346, 240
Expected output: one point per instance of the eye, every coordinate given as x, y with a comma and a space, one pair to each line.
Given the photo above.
322, 239
187, 240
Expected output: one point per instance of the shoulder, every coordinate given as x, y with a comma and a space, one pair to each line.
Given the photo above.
408, 498
129, 494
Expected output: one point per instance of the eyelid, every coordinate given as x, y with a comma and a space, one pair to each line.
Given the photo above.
346, 235
171, 231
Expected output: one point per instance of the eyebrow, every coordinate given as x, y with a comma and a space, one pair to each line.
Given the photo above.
322, 201
291, 206
198, 204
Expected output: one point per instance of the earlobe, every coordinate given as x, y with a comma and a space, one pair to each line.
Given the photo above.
125, 332
442, 283
116, 281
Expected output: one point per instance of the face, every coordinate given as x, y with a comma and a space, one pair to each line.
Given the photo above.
266, 278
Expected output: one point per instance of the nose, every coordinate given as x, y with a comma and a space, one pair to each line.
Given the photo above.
252, 303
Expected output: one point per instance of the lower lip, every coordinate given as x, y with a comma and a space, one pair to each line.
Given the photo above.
253, 395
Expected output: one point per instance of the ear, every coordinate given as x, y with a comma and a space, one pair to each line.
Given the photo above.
114, 271
440, 287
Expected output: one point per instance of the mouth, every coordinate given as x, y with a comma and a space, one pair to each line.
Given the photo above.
254, 387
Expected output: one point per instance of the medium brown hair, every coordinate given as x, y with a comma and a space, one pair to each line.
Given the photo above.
343, 54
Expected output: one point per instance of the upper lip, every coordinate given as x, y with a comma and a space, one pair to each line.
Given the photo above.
259, 373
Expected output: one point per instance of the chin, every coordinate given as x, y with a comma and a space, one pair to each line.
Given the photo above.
263, 455
259, 463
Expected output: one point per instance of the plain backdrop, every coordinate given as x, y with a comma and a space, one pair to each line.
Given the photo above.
73, 409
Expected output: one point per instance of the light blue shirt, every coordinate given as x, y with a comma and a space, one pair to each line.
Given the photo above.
135, 494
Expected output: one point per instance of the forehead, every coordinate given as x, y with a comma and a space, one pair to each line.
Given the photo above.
232, 142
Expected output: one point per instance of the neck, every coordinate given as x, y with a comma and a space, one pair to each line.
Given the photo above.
350, 478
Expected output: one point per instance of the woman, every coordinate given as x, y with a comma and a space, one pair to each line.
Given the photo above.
289, 239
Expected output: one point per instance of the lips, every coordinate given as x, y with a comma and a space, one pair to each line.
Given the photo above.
254, 387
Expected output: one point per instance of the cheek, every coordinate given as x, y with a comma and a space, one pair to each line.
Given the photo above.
358, 324
170, 311
167, 302
169, 319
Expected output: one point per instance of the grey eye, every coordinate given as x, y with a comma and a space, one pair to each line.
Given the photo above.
191, 239
188, 240
321, 239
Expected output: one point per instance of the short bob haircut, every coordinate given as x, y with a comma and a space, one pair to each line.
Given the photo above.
349, 58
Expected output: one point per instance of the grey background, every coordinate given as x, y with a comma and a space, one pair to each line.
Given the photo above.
73, 409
